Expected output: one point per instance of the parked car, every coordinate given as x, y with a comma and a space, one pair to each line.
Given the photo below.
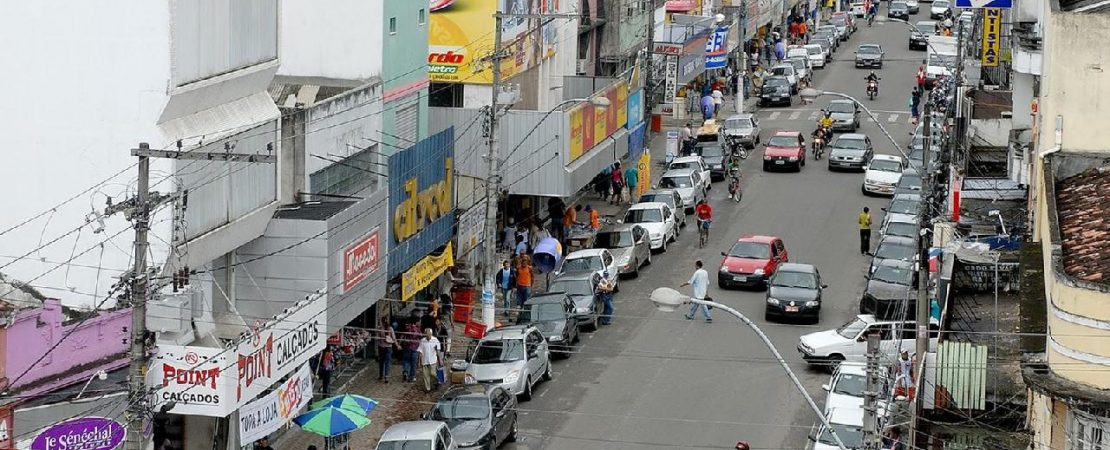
796, 50
858, 9
905, 203
847, 423
713, 153
743, 127
629, 244
787, 71
672, 199
794, 291
939, 8
776, 91
430, 434
751, 261
845, 115
657, 219
479, 416
919, 35
689, 184
553, 313
513, 357
828, 40
913, 6
783, 150
591, 260
850, 151
585, 304
801, 66
848, 343
832, 32
869, 55
881, 175
695, 163
909, 182
898, 10
895, 248
891, 291
900, 228
817, 55
848, 384
843, 24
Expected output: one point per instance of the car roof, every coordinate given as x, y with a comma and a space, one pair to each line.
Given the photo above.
811, 45
778, 77
869, 45
585, 253
617, 227
846, 416
683, 159
557, 297
887, 158
575, 276
461, 390
762, 239
678, 173
776, 66
852, 367
853, 136
894, 263
414, 430
510, 332
897, 240
796, 267
660, 191
787, 133
647, 205
740, 116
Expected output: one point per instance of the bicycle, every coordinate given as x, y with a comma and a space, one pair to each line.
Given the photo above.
703, 232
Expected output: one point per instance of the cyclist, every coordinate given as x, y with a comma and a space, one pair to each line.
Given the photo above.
872, 12
705, 218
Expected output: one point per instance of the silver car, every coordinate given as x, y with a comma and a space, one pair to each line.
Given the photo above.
629, 244
687, 182
671, 198
514, 357
744, 128
591, 260
850, 151
845, 115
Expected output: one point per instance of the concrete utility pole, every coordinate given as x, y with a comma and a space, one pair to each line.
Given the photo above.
136, 382
922, 307
871, 394
649, 73
493, 185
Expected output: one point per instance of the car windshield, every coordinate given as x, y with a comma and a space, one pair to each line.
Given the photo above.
795, 279
494, 352
813, 50
464, 407
753, 250
542, 312
710, 150
783, 70
776, 82
850, 384
783, 141
851, 329
850, 435
572, 287
869, 49
891, 250
842, 107
925, 28
583, 264
940, 4
643, 215
903, 207
898, 5
910, 181
885, 165
661, 198
613, 239
405, 445
839, 21
901, 229
738, 123
676, 182
798, 64
854, 144
896, 275
826, 28
683, 165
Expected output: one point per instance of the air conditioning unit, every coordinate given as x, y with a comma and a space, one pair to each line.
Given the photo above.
172, 313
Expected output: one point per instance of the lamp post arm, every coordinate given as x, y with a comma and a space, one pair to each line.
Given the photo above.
886, 133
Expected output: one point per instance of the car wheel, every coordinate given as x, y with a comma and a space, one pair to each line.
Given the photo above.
663, 249
863, 190
636, 271
527, 394
512, 433
834, 361
767, 316
547, 372
648, 263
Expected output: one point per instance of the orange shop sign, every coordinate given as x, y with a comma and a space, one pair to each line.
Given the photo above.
590, 125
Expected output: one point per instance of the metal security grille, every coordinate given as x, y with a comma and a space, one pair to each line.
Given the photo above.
408, 122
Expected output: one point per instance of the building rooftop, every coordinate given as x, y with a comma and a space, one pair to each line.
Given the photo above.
1086, 6
990, 104
1083, 209
312, 210
17, 296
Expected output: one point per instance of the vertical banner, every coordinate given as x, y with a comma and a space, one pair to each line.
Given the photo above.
269, 413
577, 132
644, 167
992, 33
671, 90
716, 49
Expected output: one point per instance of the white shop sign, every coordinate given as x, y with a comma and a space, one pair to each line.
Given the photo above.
266, 415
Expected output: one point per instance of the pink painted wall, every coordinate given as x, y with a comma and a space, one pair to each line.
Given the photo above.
98, 343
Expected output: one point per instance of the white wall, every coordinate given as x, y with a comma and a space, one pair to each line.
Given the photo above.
1075, 84
476, 95
341, 39
341, 126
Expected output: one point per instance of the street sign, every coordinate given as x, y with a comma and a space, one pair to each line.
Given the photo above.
985, 4
992, 31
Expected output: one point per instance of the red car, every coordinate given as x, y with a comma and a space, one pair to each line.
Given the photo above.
785, 149
751, 262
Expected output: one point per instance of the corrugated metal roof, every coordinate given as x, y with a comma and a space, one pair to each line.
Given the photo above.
961, 376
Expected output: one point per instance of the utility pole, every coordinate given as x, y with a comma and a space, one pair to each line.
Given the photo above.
922, 306
649, 74
493, 184
136, 382
871, 394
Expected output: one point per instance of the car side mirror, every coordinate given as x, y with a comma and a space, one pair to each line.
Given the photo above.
826, 387
724, 254
499, 414
813, 437
824, 286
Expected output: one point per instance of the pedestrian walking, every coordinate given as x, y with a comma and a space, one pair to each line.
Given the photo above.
410, 341
618, 184
443, 333
429, 359
865, 231
324, 370
718, 101
386, 341
632, 179
920, 77
606, 288
446, 309
700, 283
523, 280
555, 210
595, 217
893, 440
506, 281
508, 235
904, 375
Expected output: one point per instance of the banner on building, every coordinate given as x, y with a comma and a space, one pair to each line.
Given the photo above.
992, 35
424, 272
421, 199
635, 109
671, 81
472, 225
85, 433
266, 415
716, 49
644, 166
215, 382
361, 259
589, 124
461, 36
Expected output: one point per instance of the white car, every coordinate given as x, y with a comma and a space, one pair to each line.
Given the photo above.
849, 343
913, 6
801, 65
847, 386
788, 71
858, 9
816, 55
848, 424
417, 434
596, 260
938, 8
658, 219
689, 183
693, 163
796, 50
882, 174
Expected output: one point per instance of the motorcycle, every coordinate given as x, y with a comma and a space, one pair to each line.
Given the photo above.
872, 89
818, 147
736, 149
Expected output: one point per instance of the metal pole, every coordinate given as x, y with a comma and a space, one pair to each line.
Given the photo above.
782, 362
922, 308
649, 74
871, 394
493, 186
136, 385
996, 291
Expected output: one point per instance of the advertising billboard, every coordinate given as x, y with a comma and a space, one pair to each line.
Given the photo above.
461, 35
589, 125
421, 199
992, 32
272, 411
716, 49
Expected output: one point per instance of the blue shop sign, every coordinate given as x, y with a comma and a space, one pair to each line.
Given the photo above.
421, 199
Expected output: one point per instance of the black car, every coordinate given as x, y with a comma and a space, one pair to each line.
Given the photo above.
478, 415
891, 291
869, 55
794, 291
910, 182
714, 155
582, 289
553, 314
919, 35
894, 248
776, 91
898, 10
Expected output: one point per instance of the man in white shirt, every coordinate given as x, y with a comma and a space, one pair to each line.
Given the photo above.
700, 282
429, 359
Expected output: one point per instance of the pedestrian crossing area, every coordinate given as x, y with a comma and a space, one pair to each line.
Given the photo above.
811, 115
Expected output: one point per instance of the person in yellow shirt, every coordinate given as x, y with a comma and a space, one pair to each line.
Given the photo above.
865, 231
595, 218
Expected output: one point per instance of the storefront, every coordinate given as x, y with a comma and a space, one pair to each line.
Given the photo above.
684, 62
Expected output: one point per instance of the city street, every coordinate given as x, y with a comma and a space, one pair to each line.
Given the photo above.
657, 380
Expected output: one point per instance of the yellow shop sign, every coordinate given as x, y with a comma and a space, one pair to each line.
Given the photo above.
424, 272
422, 207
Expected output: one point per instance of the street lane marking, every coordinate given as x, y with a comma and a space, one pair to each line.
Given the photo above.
813, 115
773, 116
893, 118
794, 115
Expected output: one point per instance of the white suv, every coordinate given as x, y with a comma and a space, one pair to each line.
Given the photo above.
514, 357
849, 342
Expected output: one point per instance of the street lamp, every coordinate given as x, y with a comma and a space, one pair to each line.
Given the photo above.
808, 95
667, 300
99, 375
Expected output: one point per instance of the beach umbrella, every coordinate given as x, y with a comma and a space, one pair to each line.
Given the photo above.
331, 421
356, 403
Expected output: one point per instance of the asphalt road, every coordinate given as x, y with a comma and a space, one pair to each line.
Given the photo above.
656, 380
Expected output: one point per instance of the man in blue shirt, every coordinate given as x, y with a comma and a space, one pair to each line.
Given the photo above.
700, 282
506, 279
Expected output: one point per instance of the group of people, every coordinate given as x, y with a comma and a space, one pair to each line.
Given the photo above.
423, 339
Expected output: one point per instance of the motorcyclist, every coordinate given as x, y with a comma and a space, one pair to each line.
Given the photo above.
873, 77
742, 445
826, 120
872, 12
